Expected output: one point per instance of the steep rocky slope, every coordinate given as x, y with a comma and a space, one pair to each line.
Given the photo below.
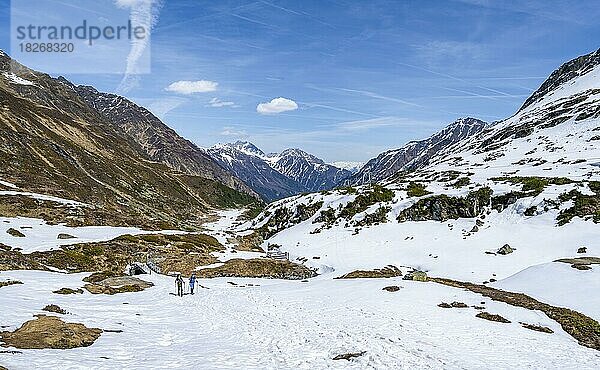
415, 154
158, 141
52, 142
311, 172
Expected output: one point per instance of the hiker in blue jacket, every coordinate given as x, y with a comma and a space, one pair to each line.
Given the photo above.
192, 282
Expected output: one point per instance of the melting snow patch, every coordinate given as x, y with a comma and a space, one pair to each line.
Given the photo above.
8, 184
17, 80
48, 198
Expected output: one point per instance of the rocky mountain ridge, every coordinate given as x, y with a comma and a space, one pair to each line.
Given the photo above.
277, 175
415, 154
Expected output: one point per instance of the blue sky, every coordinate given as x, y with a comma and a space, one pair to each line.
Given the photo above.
365, 76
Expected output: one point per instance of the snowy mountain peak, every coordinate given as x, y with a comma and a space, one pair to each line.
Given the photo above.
277, 175
298, 153
248, 148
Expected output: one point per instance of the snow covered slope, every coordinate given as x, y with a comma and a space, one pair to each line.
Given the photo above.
262, 324
531, 182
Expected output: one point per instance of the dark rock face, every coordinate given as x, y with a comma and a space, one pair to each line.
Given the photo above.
568, 71
443, 207
415, 154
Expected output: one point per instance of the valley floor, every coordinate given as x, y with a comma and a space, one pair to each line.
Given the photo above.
283, 324
275, 324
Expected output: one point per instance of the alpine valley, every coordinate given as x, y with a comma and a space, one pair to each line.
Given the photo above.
477, 247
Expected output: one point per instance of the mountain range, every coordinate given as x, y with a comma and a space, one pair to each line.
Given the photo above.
277, 175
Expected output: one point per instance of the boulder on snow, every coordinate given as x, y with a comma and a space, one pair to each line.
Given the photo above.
50, 332
14, 232
54, 308
120, 284
391, 288
62, 236
582, 250
416, 276
506, 249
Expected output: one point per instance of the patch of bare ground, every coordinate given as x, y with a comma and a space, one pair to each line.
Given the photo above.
9, 282
581, 263
55, 309
259, 268
492, 317
581, 327
65, 291
386, 272
50, 332
539, 328
181, 253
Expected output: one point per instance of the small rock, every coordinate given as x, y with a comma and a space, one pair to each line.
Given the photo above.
14, 232
474, 229
458, 305
415, 276
68, 291
65, 236
582, 250
506, 249
391, 288
444, 305
492, 317
349, 356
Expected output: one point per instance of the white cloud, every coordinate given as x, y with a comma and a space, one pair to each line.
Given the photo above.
191, 87
381, 122
218, 103
277, 105
230, 131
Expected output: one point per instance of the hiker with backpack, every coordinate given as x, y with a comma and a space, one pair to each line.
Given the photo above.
192, 282
179, 285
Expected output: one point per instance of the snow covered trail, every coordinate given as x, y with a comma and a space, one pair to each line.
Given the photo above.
286, 325
223, 229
